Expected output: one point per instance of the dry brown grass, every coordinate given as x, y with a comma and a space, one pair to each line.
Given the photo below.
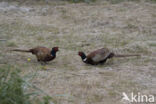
127, 27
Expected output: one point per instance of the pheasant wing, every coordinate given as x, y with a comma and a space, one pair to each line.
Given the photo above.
42, 53
99, 55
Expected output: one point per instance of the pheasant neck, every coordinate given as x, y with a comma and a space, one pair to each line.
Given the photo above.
83, 57
53, 53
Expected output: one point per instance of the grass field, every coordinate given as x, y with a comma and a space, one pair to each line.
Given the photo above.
126, 27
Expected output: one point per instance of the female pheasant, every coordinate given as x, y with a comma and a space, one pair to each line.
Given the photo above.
99, 56
42, 54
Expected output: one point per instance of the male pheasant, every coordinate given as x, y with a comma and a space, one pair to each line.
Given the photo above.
42, 54
99, 56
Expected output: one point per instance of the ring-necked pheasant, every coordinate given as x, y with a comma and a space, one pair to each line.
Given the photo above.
99, 56
42, 54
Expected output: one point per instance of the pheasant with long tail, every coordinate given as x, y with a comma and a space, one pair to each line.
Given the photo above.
100, 56
42, 54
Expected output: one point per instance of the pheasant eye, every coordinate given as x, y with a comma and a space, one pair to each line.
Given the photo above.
56, 49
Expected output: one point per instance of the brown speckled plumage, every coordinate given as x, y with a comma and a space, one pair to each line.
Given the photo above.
99, 56
42, 53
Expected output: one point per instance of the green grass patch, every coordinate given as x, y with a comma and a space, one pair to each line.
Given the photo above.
11, 44
15, 90
152, 44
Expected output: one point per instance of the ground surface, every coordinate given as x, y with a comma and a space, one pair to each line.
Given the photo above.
127, 27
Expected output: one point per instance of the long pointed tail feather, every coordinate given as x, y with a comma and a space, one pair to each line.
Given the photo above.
20, 50
118, 55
